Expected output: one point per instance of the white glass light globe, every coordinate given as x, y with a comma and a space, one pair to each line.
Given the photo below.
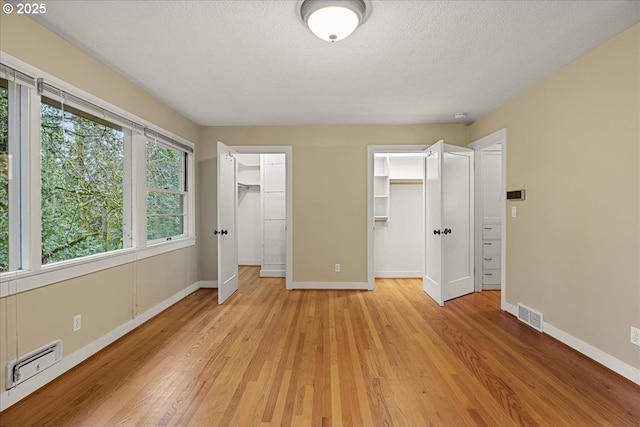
333, 23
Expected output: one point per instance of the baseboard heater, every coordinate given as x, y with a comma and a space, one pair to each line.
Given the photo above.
33, 363
530, 317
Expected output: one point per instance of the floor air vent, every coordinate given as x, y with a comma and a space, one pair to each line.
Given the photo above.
530, 317
33, 363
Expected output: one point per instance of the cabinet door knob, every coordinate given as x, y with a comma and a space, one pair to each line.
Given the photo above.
447, 231
436, 231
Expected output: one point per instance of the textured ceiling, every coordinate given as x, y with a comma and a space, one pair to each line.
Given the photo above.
255, 63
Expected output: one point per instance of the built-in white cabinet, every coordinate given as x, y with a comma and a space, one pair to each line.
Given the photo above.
491, 254
491, 176
381, 188
273, 215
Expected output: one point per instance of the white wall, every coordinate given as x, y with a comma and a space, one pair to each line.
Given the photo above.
249, 215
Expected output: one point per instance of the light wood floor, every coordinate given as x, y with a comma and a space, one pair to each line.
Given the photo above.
390, 357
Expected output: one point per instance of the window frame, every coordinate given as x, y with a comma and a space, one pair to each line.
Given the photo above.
70, 107
33, 274
17, 152
184, 192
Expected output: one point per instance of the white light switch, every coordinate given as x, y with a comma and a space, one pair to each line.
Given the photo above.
514, 211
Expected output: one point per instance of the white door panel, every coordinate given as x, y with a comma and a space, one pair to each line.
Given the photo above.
449, 222
227, 228
432, 281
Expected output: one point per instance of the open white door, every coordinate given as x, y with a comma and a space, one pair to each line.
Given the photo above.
448, 222
227, 229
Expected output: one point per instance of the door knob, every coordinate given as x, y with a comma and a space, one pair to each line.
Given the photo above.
224, 232
216, 232
447, 231
436, 231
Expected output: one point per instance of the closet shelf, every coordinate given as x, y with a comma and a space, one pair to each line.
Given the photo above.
244, 187
405, 181
245, 166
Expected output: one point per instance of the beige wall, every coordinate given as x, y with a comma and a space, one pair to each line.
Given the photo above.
573, 142
329, 188
207, 219
109, 298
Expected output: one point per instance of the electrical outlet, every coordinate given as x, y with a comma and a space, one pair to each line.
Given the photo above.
337, 268
635, 336
77, 323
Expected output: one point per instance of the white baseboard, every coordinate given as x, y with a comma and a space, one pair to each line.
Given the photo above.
249, 262
272, 273
616, 365
361, 286
208, 284
22, 390
397, 274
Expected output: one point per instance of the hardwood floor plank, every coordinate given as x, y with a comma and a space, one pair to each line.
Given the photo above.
391, 357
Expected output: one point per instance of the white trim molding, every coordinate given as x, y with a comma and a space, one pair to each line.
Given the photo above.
344, 286
19, 392
208, 284
398, 274
273, 273
616, 365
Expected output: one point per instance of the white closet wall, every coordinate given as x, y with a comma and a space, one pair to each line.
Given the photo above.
273, 185
249, 217
399, 240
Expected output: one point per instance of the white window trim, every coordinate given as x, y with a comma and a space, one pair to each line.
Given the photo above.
34, 274
186, 194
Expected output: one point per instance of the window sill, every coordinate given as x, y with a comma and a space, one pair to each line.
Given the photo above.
15, 282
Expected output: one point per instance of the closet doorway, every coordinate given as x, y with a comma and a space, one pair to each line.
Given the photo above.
436, 224
398, 194
385, 214
490, 209
264, 210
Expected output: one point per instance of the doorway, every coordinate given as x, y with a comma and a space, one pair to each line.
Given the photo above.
490, 209
446, 207
262, 212
398, 214
231, 189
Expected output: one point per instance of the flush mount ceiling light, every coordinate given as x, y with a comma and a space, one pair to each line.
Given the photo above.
332, 20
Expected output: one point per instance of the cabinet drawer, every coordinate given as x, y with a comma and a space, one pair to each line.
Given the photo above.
491, 277
491, 231
491, 247
490, 261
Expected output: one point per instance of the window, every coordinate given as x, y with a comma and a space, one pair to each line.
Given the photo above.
166, 191
4, 175
74, 175
82, 174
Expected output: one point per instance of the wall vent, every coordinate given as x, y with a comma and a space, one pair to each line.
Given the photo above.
530, 317
33, 363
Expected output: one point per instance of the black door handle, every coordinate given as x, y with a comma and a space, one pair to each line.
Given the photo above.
222, 232
436, 231
447, 231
